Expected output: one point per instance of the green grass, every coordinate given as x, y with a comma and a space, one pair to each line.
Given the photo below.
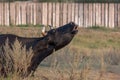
94, 38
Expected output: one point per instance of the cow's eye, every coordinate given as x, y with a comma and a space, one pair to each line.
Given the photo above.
72, 23
53, 31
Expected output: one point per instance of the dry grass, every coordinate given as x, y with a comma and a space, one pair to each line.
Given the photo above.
15, 61
92, 55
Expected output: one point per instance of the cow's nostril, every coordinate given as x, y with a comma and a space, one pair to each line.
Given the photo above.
75, 28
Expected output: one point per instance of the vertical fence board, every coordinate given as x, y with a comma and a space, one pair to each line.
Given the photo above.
57, 14
38, 13
86, 18
54, 14
80, 16
32, 13
34, 10
28, 13
76, 13
1, 13
90, 14
69, 12
98, 14
94, 15
103, 14
61, 14
20, 14
23, 15
72, 11
44, 14
111, 15
12, 13
115, 14
49, 13
6, 14
106, 15
64, 13
119, 15
17, 14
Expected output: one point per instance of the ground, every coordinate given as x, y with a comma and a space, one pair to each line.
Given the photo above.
94, 54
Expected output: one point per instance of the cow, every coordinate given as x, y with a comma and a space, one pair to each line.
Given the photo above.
54, 40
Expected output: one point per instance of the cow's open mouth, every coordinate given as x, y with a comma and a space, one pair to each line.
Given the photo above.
75, 30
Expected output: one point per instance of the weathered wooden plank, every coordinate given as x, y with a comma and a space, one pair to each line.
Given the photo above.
103, 14
54, 14
94, 15
17, 14
64, 13
28, 13
44, 14
3, 13
76, 13
115, 14
50, 13
73, 11
61, 14
35, 11
86, 18
106, 15
69, 12
39, 13
32, 13
111, 15
12, 13
57, 14
80, 16
90, 14
23, 13
1, 9
7, 14
98, 14
119, 15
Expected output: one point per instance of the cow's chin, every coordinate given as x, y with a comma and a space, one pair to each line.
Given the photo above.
74, 32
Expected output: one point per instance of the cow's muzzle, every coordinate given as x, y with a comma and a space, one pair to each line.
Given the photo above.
75, 30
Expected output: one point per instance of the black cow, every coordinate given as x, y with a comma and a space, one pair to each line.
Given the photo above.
44, 46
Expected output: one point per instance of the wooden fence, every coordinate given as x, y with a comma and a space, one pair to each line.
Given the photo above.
57, 14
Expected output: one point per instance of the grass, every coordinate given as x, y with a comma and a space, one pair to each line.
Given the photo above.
94, 54
97, 38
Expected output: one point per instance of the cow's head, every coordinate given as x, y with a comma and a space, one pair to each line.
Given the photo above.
62, 36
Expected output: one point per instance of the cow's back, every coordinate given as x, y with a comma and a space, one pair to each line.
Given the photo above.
4, 37
11, 38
